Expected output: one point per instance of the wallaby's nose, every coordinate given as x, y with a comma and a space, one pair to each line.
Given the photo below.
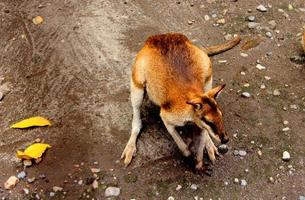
225, 140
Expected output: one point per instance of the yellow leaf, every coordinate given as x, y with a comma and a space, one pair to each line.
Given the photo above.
30, 122
33, 152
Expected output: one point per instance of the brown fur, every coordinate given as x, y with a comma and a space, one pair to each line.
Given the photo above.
303, 43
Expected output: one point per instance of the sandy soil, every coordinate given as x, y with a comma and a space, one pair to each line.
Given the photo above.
74, 70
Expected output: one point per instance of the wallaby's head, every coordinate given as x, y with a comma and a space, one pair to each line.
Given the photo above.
207, 114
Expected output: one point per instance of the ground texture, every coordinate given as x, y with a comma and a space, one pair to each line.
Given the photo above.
74, 70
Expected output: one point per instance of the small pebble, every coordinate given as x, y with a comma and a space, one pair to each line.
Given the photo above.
11, 182
269, 34
37, 20
171, 198
189, 22
247, 170
112, 192
228, 37
221, 21
27, 163
236, 180
207, 17
246, 94
286, 129
267, 78
95, 184
261, 8
226, 183
272, 24
285, 122
246, 85
179, 187
290, 7
223, 148
276, 92
259, 153
243, 182
301, 198
57, 189
286, 156
194, 187
235, 152
252, 25
244, 55
21, 175
95, 170
263, 86
251, 18
294, 107
80, 182
26, 191
271, 179
242, 153
243, 73
52, 194
31, 180
260, 67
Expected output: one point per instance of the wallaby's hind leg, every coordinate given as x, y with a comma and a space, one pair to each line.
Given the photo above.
136, 95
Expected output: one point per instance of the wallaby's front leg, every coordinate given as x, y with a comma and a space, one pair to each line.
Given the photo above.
175, 135
136, 95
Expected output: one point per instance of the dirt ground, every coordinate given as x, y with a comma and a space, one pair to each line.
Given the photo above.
74, 70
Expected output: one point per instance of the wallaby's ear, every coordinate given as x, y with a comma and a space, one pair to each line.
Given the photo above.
196, 103
214, 93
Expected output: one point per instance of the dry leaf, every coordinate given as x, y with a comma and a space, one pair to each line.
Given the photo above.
37, 20
251, 43
34, 151
30, 122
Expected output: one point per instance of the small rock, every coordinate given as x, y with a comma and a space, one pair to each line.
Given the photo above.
253, 25
286, 156
267, 78
112, 192
95, 184
243, 73
26, 191
222, 61
276, 92
228, 37
247, 170
242, 153
235, 152
251, 18
207, 17
236, 180
37, 20
285, 122
260, 67
269, 34
57, 189
31, 180
52, 194
246, 85
38, 160
286, 129
171, 198
42, 176
259, 153
271, 179
272, 24
95, 170
226, 183
261, 8
21, 175
246, 94
290, 7
294, 107
179, 187
27, 163
263, 86
189, 22
194, 187
11, 182
244, 55
221, 21
223, 148
243, 182
80, 182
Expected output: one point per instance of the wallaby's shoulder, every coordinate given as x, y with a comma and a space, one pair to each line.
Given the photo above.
166, 42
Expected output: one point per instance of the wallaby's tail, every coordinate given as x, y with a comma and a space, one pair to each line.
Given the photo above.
213, 50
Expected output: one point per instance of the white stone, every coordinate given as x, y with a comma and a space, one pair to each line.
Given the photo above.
261, 8
243, 182
252, 25
276, 92
260, 67
263, 86
286, 156
246, 85
285, 122
179, 187
207, 17
112, 192
170, 198
26, 191
95, 184
95, 170
269, 34
244, 55
286, 129
194, 187
246, 94
11, 182
27, 163
267, 78
57, 189
236, 180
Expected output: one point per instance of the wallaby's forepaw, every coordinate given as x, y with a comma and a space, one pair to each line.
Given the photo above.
128, 153
211, 149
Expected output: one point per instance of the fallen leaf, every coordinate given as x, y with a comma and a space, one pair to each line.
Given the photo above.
30, 122
251, 43
34, 151
37, 20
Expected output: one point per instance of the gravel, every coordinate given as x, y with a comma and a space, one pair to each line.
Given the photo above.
246, 94
243, 182
251, 18
194, 187
253, 25
276, 92
242, 153
21, 175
